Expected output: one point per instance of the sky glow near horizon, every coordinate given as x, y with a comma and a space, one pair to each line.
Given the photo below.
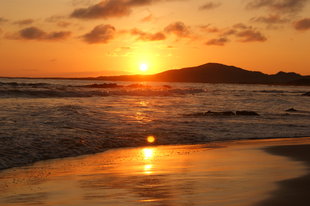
81, 38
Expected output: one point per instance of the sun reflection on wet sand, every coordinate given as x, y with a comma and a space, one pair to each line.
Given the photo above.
163, 175
148, 153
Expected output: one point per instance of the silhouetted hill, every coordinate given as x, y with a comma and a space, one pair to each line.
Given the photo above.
217, 73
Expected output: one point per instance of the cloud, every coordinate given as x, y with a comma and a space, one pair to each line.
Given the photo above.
302, 25
209, 5
250, 35
147, 18
110, 8
290, 6
100, 34
158, 36
217, 42
3, 20
121, 51
179, 29
34, 33
208, 29
63, 24
240, 32
24, 22
271, 19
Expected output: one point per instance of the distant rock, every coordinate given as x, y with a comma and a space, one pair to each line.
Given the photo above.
247, 113
291, 110
306, 94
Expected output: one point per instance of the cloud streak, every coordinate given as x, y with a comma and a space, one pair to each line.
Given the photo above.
24, 22
271, 19
110, 8
209, 6
287, 6
158, 36
34, 33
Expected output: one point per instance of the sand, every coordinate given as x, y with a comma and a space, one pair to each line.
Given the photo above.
243, 173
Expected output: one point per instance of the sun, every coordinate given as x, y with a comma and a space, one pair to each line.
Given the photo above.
144, 67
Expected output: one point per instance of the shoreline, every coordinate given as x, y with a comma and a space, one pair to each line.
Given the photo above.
222, 142
139, 80
242, 171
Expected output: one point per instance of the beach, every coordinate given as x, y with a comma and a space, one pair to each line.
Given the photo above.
248, 172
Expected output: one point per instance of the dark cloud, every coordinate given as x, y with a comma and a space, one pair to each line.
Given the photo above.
158, 36
34, 33
250, 35
100, 34
179, 29
271, 19
291, 6
209, 5
24, 22
302, 25
110, 8
217, 42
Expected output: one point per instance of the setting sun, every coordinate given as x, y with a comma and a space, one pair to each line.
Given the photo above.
143, 67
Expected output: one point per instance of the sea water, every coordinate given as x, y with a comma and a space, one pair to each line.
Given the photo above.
43, 118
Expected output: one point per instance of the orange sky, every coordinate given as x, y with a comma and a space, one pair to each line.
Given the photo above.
75, 38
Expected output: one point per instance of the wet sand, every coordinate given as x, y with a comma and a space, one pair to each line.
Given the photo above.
243, 173
294, 191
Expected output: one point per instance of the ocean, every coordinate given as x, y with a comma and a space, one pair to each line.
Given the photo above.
43, 119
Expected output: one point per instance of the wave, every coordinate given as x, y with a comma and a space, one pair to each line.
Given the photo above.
93, 90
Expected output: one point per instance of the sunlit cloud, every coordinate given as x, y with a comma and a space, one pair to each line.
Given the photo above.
34, 33
290, 6
179, 29
210, 5
24, 22
302, 25
100, 34
158, 36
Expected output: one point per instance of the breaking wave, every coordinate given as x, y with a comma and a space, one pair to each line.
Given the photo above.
43, 90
